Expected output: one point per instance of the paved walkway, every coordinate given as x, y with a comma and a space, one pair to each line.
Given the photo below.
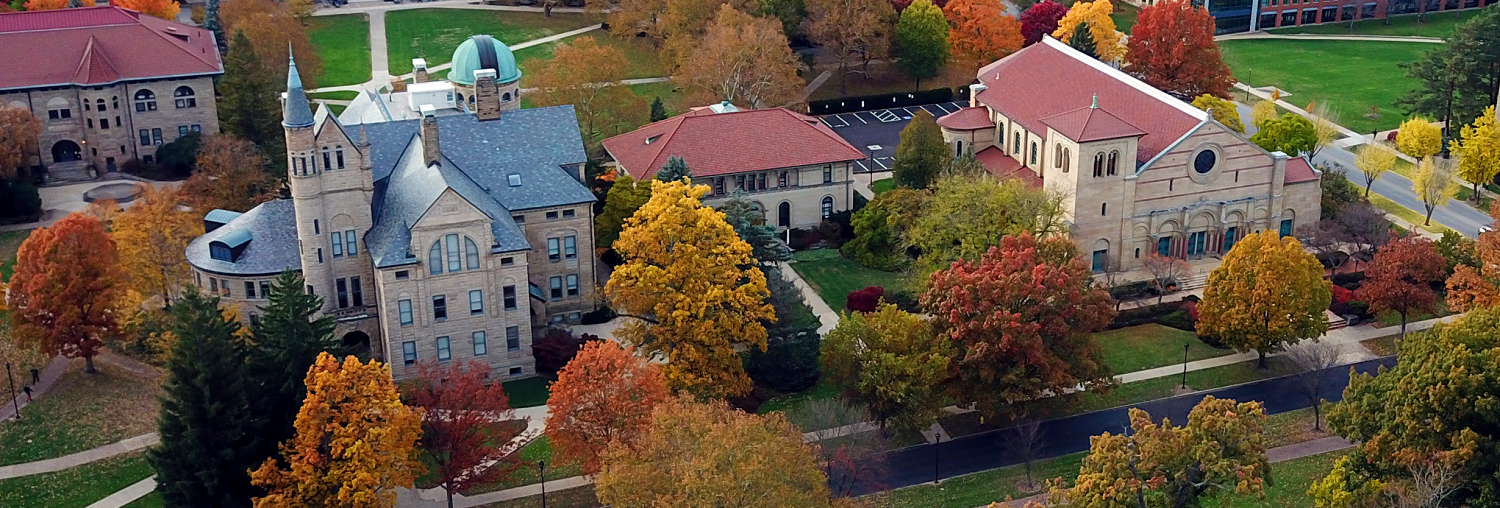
47, 377
826, 315
80, 458
125, 496
1330, 37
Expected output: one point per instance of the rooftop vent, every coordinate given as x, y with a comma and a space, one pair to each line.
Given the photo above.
653, 139
723, 107
515, 179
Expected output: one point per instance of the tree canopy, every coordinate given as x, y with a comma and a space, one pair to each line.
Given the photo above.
851, 31
1461, 78
64, 295
1041, 19
921, 154
249, 107
922, 39
1172, 48
602, 399
968, 215
1268, 293
880, 229
1419, 137
982, 33
1434, 185
1101, 28
1401, 276
742, 58
1478, 150
1373, 160
19, 130
892, 362
463, 431
571, 77
152, 235
1225, 111
1291, 134
624, 198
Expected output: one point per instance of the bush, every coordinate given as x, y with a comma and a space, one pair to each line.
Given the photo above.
1342, 295
1145, 315
789, 363
803, 239
558, 347
178, 158
19, 202
1349, 280
865, 300
904, 300
600, 315
1132, 290
611, 258
1180, 319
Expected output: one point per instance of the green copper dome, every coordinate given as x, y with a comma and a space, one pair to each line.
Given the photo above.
483, 52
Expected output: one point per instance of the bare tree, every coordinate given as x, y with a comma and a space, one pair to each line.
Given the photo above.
1113, 277
1024, 444
1432, 481
1326, 240
1314, 361
851, 445
1365, 228
1165, 271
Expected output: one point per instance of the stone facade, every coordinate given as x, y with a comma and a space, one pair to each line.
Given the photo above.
799, 199
108, 125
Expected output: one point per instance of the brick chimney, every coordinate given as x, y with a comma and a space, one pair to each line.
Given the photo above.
420, 74
431, 151
486, 95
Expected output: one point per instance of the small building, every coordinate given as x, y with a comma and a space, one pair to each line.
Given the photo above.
784, 161
1140, 171
109, 84
480, 54
442, 238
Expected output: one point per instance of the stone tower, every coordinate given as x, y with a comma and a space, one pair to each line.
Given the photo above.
331, 188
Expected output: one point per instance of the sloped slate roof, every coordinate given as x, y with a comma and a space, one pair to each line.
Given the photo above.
271, 232
997, 163
731, 142
1049, 78
99, 45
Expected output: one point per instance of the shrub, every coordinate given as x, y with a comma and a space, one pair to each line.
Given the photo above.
865, 300
178, 158
1145, 315
1342, 295
19, 202
1349, 280
789, 363
558, 347
904, 300
1132, 290
803, 239
600, 315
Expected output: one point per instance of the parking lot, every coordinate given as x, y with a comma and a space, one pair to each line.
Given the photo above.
878, 131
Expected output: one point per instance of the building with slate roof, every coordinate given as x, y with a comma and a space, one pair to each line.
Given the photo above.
1141, 172
479, 55
109, 84
443, 238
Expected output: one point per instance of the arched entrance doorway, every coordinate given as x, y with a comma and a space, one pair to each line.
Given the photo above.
66, 151
784, 214
357, 343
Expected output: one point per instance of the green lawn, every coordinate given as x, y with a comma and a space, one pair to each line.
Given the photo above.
1413, 216
883, 186
1439, 24
1292, 478
77, 487
822, 390
81, 411
337, 95
433, 34
643, 59
344, 43
1352, 76
1124, 16
1150, 346
980, 488
671, 96
528, 392
10, 242
538, 449
152, 500
833, 277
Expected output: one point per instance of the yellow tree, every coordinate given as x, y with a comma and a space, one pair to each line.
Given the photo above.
572, 77
1374, 159
696, 454
742, 58
691, 290
1262, 112
1224, 111
18, 137
164, 9
1434, 184
1325, 126
1419, 138
1269, 292
1477, 285
355, 443
1101, 27
152, 235
1478, 150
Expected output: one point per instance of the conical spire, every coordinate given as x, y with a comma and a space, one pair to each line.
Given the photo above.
297, 113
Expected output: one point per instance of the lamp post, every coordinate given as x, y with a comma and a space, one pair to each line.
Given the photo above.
937, 450
13, 401
541, 466
1185, 347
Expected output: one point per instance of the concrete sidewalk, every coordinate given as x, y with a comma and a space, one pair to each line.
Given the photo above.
127, 495
48, 377
80, 458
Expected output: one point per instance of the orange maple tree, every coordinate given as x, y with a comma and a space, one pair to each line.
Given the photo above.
1400, 278
18, 138
271, 25
982, 33
464, 431
164, 9
1472, 288
231, 175
46, 5
1172, 48
66, 287
603, 397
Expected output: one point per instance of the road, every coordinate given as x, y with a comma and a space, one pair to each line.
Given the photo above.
980, 452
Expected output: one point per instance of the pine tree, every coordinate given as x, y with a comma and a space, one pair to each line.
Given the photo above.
658, 110
1083, 40
288, 341
211, 22
207, 441
249, 108
675, 169
749, 224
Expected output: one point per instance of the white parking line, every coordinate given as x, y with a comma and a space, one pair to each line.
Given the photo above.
862, 166
826, 122
861, 120
940, 106
882, 164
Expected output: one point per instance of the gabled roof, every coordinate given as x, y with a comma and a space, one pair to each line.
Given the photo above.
1049, 78
98, 46
1298, 170
1091, 124
1002, 166
731, 142
967, 119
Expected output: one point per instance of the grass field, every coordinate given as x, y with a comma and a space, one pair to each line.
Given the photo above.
337, 95
528, 392
1352, 76
1292, 478
883, 186
1150, 346
77, 487
152, 500
643, 59
578, 497
1439, 24
822, 390
433, 34
671, 96
344, 43
1413, 216
10, 242
81, 411
538, 449
833, 277
1124, 16
978, 489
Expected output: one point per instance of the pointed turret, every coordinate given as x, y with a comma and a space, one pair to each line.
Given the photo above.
296, 112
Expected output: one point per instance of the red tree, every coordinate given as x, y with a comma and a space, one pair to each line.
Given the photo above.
1022, 318
1172, 48
603, 397
982, 33
464, 425
1401, 276
1041, 19
67, 284
864, 300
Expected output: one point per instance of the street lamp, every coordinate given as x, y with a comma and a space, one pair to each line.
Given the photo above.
14, 402
541, 466
1185, 347
937, 449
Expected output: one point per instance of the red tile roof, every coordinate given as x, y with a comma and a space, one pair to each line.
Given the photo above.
967, 119
1049, 78
997, 163
1091, 124
732, 142
99, 45
1298, 170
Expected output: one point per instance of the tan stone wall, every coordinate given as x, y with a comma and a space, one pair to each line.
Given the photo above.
804, 192
539, 228
231, 291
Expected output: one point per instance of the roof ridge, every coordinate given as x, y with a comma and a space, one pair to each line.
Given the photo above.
820, 128
1121, 76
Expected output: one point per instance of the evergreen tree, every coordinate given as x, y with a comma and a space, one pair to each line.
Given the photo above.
208, 439
675, 169
1461, 78
211, 22
1083, 40
749, 224
658, 110
921, 153
288, 341
249, 108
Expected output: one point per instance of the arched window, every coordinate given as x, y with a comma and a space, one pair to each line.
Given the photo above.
1017, 143
1057, 155
827, 206
184, 97
435, 258
1114, 159
327, 159
114, 102
338, 153
145, 100
1067, 159
471, 254
1098, 164
99, 104
505, 97
1033, 154
784, 214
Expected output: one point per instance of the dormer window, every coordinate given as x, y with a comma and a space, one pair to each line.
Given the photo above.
219, 251
514, 179
653, 139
